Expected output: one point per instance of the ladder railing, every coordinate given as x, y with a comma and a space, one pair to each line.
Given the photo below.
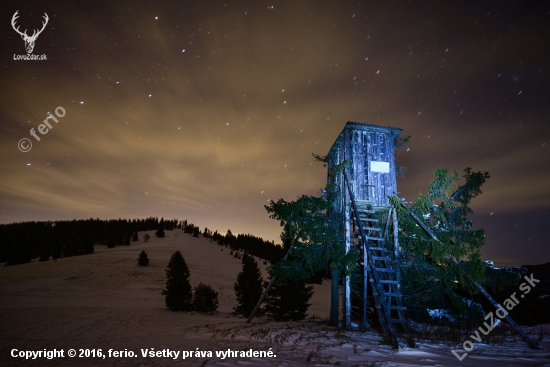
381, 297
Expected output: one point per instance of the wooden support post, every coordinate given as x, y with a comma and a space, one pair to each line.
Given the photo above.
262, 298
520, 331
346, 290
365, 287
393, 212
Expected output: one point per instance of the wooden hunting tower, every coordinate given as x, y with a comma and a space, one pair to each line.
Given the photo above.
369, 225
361, 165
371, 168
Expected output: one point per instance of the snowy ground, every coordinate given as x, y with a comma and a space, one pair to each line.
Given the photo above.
105, 301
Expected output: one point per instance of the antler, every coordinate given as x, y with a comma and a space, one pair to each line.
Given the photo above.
15, 16
35, 35
24, 34
44, 23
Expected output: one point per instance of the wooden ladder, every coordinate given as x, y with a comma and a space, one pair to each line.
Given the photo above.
382, 276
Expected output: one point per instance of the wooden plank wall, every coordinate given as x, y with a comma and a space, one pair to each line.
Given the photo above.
360, 148
380, 148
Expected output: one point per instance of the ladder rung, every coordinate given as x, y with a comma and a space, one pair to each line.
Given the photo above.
388, 294
363, 203
375, 238
361, 210
385, 270
393, 307
384, 258
388, 281
372, 229
378, 249
401, 308
369, 220
393, 295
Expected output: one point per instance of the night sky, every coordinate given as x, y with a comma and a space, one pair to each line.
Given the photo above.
205, 110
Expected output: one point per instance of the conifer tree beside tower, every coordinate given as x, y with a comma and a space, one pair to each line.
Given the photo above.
288, 300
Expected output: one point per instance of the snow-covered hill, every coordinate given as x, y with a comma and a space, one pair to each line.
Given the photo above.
105, 301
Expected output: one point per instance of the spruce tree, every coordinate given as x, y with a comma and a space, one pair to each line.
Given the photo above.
248, 287
311, 229
119, 237
189, 228
135, 236
142, 259
288, 300
112, 242
436, 273
229, 239
160, 229
178, 293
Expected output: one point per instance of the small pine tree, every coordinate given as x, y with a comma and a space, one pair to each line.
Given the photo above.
178, 293
135, 236
196, 232
142, 259
248, 287
189, 228
127, 240
288, 299
160, 229
205, 299
146, 237
112, 242
119, 237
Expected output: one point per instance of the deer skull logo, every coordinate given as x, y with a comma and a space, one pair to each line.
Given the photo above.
29, 40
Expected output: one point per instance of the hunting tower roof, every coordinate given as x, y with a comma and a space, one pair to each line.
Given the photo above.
350, 125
